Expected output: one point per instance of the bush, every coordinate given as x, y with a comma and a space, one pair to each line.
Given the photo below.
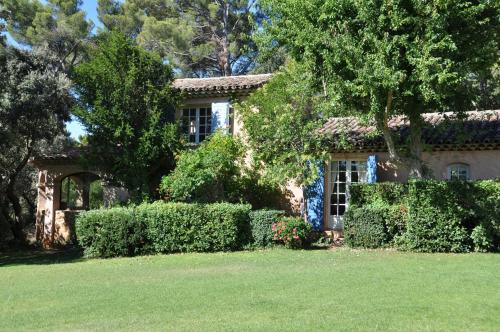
435, 218
164, 228
388, 193
366, 227
112, 232
293, 232
208, 173
180, 227
487, 215
261, 222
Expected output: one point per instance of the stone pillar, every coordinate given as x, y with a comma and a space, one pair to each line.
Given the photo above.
52, 202
40, 205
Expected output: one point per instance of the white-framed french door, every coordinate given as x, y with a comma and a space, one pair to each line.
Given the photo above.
341, 174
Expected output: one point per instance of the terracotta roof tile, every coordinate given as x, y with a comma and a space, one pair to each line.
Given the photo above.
221, 85
478, 127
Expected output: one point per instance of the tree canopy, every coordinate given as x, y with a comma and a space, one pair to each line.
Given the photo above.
281, 122
381, 58
35, 101
59, 25
127, 107
200, 37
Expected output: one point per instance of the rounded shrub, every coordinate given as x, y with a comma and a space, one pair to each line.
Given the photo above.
293, 232
365, 227
261, 222
111, 232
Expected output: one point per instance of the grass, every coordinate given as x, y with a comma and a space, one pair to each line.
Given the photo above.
274, 290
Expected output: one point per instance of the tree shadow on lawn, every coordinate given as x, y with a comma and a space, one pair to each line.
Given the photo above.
33, 256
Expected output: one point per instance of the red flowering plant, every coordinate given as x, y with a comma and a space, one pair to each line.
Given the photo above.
293, 232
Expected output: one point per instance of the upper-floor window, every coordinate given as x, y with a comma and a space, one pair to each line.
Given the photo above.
197, 123
458, 172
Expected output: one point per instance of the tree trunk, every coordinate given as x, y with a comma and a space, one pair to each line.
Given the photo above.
414, 162
416, 166
382, 121
225, 55
17, 223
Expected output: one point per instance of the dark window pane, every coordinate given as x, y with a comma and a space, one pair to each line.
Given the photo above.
342, 187
333, 199
354, 165
192, 113
341, 210
342, 165
342, 177
335, 187
354, 177
341, 198
333, 210
185, 112
192, 139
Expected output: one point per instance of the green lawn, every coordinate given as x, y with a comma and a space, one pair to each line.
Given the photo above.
273, 290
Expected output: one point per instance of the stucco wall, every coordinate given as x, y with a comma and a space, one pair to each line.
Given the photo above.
482, 165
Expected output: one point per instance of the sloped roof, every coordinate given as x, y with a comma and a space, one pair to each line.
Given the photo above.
227, 85
445, 130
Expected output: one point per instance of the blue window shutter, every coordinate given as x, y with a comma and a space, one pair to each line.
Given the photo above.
315, 200
372, 169
220, 116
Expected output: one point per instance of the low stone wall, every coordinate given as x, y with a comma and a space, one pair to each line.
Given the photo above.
65, 227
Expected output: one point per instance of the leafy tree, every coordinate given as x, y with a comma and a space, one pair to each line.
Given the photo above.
209, 173
35, 101
200, 37
281, 120
381, 58
127, 105
59, 25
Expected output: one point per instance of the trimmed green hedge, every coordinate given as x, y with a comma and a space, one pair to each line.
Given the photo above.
164, 227
111, 232
261, 222
426, 216
373, 226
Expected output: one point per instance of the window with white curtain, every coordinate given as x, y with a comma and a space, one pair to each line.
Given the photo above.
342, 174
197, 123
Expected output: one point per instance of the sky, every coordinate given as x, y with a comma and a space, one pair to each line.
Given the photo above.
90, 8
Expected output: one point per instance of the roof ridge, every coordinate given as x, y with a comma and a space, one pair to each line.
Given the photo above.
223, 77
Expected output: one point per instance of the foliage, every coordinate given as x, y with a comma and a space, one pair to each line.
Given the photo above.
180, 227
208, 173
482, 239
293, 232
432, 215
59, 25
163, 228
201, 38
131, 127
365, 227
111, 232
281, 121
376, 59
34, 103
373, 226
436, 218
391, 193
261, 222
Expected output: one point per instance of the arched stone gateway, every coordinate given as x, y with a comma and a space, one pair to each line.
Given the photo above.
55, 217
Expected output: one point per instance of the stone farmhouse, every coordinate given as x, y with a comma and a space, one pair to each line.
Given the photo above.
467, 149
